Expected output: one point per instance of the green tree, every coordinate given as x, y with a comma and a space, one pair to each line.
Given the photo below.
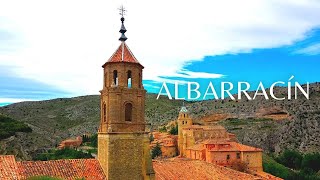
63, 154
311, 161
156, 151
163, 129
94, 140
9, 126
291, 159
274, 168
174, 130
151, 138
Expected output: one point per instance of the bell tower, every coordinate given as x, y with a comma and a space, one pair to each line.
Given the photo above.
184, 120
123, 144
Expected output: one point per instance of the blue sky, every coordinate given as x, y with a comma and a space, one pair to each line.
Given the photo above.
301, 60
45, 54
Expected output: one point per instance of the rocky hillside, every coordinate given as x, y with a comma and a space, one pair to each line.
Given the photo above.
55, 120
272, 125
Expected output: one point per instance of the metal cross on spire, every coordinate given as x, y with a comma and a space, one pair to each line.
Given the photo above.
122, 11
123, 29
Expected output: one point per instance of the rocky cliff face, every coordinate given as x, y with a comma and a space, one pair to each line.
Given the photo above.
270, 124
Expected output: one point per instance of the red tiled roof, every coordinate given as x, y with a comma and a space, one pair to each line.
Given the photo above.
122, 54
229, 146
89, 169
194, 169
8, 168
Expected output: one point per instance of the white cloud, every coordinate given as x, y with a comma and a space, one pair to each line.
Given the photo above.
197, 75
66, 42
310, 50
151, 86
13, 100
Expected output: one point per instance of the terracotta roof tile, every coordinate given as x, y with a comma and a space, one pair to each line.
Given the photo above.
122, 54
177, 168
89, 169
8, 168
228, 146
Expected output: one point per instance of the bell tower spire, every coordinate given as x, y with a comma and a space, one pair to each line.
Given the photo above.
122, 29
123, 142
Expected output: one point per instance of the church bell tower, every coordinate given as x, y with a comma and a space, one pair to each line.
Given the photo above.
123, 143
184, 120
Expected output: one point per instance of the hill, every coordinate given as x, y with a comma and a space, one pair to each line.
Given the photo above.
269, 124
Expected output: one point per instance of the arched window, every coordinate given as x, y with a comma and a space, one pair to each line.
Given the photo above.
128, 112
140, 81
104, 112
129, 79
115, 77
184, 115
105, 79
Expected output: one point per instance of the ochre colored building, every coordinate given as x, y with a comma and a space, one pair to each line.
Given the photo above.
71, 143
189, 134
123, 143
226, 153
167, 142
213, 144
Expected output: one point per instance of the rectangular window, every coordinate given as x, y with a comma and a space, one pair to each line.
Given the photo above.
238, 155
228, 157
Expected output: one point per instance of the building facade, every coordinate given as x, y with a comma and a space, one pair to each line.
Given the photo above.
123, 143
213, 144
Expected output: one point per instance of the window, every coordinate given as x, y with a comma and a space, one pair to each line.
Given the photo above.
104, 112
129, 79
105, 79
115, 77
128, 112
228, 156
238, 155
140, 80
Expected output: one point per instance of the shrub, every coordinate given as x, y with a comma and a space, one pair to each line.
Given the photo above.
156, 151
291, 159
174, 130
311, 161
9, 126
63, 154
276, 169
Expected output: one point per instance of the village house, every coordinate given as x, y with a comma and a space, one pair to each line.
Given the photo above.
71, 143
167, 142
226, 153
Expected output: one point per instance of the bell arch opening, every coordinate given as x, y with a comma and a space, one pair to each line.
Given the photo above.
115, 77
129, 79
